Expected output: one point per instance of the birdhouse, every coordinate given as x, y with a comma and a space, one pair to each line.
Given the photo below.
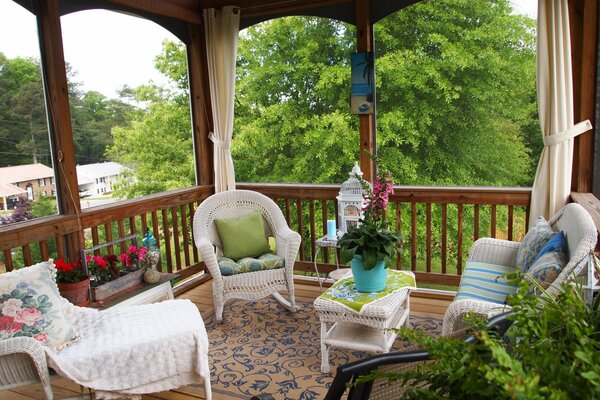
351, 200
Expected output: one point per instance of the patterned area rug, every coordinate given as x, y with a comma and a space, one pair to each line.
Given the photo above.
262, 348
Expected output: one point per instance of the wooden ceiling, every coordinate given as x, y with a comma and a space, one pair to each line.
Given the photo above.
252, 11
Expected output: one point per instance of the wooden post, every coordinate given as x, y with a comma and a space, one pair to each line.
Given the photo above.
583, 19
200, 105
59, 119
364, 42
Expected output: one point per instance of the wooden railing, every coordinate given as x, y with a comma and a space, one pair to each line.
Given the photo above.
168, 215
438, 224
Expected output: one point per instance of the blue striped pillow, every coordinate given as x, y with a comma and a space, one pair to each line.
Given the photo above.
484, 281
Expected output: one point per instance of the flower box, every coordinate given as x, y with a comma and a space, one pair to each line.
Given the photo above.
117, 285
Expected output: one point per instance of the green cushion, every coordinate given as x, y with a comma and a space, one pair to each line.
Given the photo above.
243, 236
249, 264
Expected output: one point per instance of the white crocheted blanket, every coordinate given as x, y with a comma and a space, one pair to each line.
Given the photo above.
134, 350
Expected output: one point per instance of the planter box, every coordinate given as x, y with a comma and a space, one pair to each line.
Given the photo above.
115, 286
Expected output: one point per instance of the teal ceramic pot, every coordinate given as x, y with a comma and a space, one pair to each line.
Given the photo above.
372, 280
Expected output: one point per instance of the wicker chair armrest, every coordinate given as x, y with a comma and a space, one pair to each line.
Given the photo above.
14, 368
496, 251
207, 251
458, 309
287, 244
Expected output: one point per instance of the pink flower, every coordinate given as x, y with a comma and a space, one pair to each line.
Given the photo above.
8, 324
12, 307
41, 337
28, 316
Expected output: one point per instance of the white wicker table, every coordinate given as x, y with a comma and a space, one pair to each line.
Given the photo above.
368, 330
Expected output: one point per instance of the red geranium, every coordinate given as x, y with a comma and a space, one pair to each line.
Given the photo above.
69, 272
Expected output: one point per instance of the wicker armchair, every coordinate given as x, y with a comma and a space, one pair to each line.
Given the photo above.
581, 235
249, 285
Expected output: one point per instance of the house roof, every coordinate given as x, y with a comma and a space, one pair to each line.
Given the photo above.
8, 189
90, 172
22, 173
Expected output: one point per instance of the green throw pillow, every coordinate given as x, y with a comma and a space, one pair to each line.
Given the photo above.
243, 236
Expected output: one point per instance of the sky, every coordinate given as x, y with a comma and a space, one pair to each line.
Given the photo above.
106, 59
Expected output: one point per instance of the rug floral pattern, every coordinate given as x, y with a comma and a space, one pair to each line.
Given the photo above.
262, 348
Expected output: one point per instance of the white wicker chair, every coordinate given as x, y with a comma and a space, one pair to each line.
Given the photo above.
581, 235
248, 285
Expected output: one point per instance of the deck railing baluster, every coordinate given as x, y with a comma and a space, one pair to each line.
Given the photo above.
436, 237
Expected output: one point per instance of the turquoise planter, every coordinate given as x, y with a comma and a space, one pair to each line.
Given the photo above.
372, 280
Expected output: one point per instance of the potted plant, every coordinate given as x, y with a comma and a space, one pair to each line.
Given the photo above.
551, 351
370, 246
72, 282
133, 257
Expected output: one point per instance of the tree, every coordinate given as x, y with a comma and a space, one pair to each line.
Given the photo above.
23, 132
292, 102
156, 141
455, 92
454, 78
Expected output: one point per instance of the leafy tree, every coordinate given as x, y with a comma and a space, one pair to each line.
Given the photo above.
456, 91
456, 87
23, 132
292, 102
43, 206
156, 142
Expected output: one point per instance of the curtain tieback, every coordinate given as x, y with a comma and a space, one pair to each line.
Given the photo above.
221, 144
570, 133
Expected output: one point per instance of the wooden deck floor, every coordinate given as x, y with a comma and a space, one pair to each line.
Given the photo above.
421, 303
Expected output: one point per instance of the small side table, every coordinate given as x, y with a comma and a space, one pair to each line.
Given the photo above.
327, 242
367, 330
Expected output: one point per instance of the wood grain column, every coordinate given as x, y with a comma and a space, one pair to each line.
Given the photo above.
200, 105
364, 42
583, 20
59, 119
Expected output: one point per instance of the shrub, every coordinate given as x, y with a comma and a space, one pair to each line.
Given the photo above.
550, 352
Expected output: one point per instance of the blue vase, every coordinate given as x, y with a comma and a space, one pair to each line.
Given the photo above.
371, 280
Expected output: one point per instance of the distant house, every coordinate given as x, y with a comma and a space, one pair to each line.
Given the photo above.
95, 179
27, 181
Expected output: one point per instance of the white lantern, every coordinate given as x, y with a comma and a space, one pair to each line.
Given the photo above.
351, 200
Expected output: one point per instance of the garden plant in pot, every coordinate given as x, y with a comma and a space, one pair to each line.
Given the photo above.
72, 282
370, 247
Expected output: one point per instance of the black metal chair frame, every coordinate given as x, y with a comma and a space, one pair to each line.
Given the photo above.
347, 374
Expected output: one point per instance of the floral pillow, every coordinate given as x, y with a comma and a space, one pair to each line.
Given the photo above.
546, 269
534, 240
30, 305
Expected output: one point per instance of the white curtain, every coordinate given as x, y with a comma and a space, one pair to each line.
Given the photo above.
222, 28
555, 101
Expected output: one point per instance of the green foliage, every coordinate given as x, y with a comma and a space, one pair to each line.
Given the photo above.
456, 86
291, 120
157, 140
455, 97
43, 206
23, 122
550, 352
